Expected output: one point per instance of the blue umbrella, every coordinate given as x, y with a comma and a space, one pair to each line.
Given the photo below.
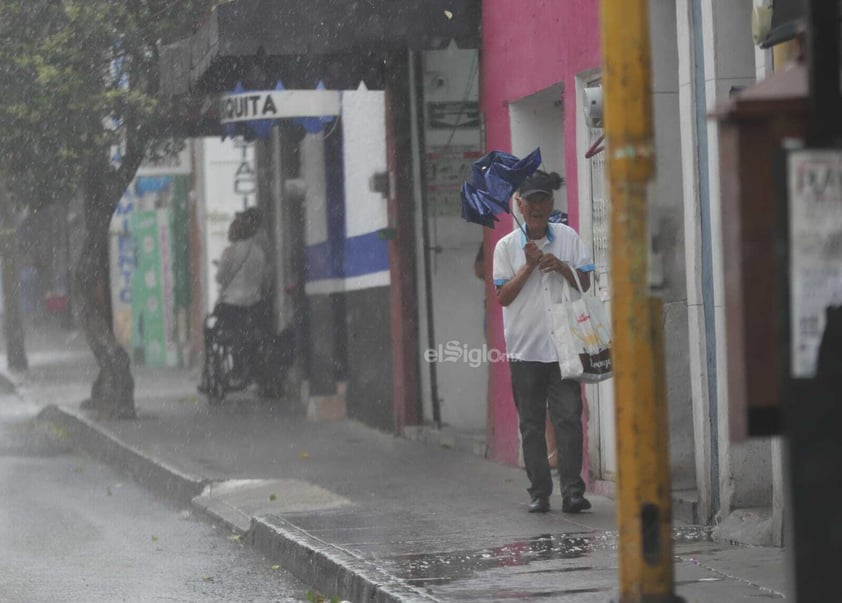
494, 179
558, 217
479, 207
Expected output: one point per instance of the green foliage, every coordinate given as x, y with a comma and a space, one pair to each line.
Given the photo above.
316, 597
79, 82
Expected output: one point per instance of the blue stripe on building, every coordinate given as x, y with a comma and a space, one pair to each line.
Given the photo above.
340, 257
366, 254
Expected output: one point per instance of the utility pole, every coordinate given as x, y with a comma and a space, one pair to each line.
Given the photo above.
812, 412
644, 513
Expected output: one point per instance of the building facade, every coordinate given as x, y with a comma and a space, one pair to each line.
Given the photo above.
538, 59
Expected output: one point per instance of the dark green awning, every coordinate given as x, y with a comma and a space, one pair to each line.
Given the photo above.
340, 42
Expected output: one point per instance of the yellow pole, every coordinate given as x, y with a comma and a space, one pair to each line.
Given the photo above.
644, 514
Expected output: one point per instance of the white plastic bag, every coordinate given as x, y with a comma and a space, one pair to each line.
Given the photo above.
582, 334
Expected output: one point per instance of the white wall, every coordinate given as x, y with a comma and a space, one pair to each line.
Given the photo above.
538, 120
364, 123
745, 468
364, 136
311, 154
693, 256
363, 154
667, 212
229, 185
728, 55
451, 76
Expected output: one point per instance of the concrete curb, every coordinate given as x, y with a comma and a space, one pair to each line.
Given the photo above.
319, 564
145, 469
327, 567
7, 384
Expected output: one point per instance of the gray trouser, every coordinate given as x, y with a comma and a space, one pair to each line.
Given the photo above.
537, 386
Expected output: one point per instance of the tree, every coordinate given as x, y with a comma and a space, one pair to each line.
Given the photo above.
12, 324
80, 111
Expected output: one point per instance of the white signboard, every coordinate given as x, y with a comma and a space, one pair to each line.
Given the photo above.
275, 104
815, 234
177, 163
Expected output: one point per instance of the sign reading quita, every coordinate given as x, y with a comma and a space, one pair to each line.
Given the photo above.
276, 104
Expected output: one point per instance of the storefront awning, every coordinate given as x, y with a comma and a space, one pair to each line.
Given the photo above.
341, 42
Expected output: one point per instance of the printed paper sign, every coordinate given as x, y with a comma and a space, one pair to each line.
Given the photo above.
815, 234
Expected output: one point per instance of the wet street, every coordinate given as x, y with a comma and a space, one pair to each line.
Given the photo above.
336, 502
71, 529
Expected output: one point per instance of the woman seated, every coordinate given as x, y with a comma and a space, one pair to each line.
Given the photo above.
242, 275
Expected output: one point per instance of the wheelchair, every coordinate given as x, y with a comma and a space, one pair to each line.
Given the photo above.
271, 358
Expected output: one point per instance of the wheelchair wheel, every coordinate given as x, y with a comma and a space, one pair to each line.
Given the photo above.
215, 388
218, 367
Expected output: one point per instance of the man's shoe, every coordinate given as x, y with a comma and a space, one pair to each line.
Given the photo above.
539, 504
575, 504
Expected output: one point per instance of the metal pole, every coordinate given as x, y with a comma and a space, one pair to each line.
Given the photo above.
644, 514
812, 413
824, 119
417, 83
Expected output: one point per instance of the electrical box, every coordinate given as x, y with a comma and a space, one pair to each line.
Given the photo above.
754, 126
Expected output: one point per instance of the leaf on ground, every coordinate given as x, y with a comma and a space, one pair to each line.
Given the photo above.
57, 431
276, 567
273, 497
154, 538
78, 469
207, 578
234, 538
304, 455
448, 14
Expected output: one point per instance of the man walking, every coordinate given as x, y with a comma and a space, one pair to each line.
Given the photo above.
529, 265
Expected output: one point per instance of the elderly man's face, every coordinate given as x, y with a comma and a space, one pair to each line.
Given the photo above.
536, 212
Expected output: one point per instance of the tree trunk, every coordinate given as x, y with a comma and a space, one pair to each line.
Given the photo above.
12, 323
112, 393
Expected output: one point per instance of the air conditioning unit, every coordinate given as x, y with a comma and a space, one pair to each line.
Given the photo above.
592, 103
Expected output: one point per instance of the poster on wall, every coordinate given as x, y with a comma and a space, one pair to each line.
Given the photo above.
152, 289
453, 114
815, 248
121, 253
175, 162
447, 168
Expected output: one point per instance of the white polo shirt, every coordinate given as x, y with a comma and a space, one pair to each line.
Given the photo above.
527, 321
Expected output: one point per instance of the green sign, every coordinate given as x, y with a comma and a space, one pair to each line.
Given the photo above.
153, 310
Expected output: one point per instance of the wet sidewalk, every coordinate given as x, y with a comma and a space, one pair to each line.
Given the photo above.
361, 514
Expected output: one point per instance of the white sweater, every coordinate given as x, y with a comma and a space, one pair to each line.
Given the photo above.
241, 273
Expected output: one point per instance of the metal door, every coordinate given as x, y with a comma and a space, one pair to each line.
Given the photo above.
602, 394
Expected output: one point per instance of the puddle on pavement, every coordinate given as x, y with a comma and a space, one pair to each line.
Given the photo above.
427, 569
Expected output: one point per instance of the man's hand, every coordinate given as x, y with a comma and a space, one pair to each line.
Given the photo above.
508, 292
549, 263
533, 254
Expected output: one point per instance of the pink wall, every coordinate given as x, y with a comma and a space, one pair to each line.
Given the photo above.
528, 45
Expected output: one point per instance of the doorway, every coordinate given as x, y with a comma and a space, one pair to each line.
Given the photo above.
454, 366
